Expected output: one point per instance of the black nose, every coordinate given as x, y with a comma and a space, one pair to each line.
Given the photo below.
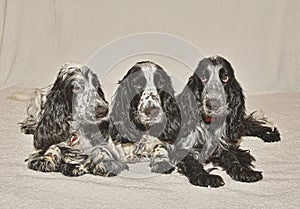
213, 104
151, 112
101, 111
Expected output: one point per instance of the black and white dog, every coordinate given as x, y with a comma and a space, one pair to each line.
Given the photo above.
145, 118
213, 121
71, 131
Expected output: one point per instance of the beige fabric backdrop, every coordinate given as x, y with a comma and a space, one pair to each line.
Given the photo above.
260, 38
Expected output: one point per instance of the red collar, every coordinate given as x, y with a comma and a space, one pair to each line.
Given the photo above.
74, 139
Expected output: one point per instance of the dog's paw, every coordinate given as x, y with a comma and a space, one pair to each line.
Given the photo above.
28, 128
164, 166
108, 168
207, 180
44, 164
246, 175
271, 136
69, 169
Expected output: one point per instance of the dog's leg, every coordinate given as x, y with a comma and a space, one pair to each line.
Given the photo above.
28, 126
60, 157
196, 174
258, 127
75, 162
105, 162
160, 161
237, 164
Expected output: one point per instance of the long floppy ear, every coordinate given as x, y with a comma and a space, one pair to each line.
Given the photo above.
235, 119
53, 126
120, 127
173, 118
168, 130
190, 102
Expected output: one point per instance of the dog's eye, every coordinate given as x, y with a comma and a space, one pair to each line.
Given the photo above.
138, 87
76, 89
225, 77
160, 84
203, 78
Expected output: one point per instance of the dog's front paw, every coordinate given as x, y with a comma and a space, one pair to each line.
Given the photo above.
163, 166
207, 180
69, 169
108, 168
44, 164
271, 136
28, 130
246, 175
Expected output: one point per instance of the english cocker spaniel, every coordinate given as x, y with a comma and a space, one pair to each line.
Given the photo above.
71, 134
213, 121
145, 118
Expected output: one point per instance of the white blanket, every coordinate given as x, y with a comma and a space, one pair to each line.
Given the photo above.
138, 188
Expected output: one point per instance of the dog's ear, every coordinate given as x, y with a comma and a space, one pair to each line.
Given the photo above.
171, 126
96, 83
121, 127
168, 129
53, 126
236, 102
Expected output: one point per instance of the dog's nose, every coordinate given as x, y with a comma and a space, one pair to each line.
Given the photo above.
152, 112
101, 111
213, 104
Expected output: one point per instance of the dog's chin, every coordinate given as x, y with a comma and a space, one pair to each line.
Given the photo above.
149, 121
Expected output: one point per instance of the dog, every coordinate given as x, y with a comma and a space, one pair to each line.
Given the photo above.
71, 134
212, 107
145, 119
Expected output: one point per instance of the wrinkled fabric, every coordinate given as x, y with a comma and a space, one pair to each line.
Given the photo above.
138, 187
259, 38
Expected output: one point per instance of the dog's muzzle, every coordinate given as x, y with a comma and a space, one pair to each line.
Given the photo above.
150, 106
151, 112
101, 107
215, 102
101, 111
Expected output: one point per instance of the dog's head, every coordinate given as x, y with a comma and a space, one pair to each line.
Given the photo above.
83, 92
144, 101
147, 80
146, 84
75, 95
215, 75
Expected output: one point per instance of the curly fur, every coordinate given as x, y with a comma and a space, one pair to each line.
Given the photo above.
213, 110
35, 106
